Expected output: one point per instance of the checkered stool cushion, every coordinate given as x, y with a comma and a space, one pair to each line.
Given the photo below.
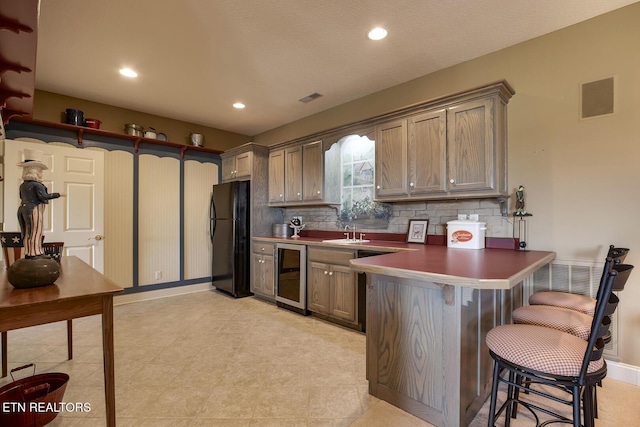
577, 302
562, 319
540, 348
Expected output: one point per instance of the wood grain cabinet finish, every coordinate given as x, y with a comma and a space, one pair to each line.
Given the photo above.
391, 159
293, 174
251, 161
456, 150
276, 177
312, 171
426, 349
263, 266
297, 176
475, 151
237, 167
332, 287
427, 153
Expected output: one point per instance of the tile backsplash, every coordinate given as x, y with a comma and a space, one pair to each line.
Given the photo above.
437, 212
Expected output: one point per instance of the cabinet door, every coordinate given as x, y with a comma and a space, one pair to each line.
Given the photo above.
471, 146
391, 159
312, 171
293, 174
256, 266
318, 287
343, 293
428, 153
268, 277
276, 176
228, 168
243, 165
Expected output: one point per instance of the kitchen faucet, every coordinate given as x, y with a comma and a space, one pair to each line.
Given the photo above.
346, 229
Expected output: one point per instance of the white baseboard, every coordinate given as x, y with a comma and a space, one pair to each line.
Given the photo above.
623, 372
161, 293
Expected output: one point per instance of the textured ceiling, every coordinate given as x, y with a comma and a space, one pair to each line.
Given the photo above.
197, 57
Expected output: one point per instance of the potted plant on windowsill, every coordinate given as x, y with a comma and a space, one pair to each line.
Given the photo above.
366, 214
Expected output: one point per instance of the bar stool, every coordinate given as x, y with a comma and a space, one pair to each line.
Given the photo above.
572, 321
13, 249
576, 302
533, 354
568, 320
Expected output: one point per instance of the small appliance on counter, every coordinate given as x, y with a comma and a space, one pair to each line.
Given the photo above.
466, 233
281, 230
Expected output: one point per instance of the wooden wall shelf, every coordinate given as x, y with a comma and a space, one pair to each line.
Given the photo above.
80, 132
18, 45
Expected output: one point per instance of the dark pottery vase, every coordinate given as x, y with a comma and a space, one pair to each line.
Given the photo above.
33, 272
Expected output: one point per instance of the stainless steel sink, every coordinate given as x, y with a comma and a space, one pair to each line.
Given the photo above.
345, 241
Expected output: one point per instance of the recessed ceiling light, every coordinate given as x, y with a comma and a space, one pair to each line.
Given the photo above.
128, 72
377, 33
238, 105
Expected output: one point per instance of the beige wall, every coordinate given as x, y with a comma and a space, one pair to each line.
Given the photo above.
51, 107
581, 176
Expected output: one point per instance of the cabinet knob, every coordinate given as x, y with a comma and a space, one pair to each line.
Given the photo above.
331, 273
411, 184
378, 187
298, 194
318, 191
452, 181
326, 272
262, 249
281, 196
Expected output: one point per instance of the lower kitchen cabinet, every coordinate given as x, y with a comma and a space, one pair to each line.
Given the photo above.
332, 288
263, 271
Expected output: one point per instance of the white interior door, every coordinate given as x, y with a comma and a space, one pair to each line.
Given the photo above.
78, 219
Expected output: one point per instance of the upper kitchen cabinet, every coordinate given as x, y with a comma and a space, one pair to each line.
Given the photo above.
391, 159
453, 148
276, 176
251, 162
297, 176
237, 166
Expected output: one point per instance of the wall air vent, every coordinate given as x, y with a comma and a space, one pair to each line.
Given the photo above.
597, 98
310, 98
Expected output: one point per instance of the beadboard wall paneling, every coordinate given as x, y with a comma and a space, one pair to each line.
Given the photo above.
158, 219
118, 218
198, 181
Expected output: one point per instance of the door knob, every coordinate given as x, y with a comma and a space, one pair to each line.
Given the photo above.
97, 237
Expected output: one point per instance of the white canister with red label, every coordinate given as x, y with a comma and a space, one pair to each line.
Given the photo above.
466, 234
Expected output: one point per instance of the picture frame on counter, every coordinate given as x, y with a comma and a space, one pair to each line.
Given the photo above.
417, 232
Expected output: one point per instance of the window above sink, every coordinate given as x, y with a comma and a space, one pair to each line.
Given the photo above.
357, 161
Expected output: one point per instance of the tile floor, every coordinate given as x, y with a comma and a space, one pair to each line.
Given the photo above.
205, 359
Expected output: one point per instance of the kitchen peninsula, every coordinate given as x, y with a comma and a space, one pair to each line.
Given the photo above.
428, 310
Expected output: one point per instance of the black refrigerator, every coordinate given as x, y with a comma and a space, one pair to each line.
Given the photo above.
229, 231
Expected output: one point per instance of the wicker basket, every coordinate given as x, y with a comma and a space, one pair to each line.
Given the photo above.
23, 393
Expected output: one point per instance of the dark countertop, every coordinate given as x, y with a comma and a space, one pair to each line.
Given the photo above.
476, 268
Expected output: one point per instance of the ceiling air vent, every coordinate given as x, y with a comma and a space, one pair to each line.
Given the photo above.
310, 98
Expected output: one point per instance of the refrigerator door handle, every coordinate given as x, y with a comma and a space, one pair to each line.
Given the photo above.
212, 216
